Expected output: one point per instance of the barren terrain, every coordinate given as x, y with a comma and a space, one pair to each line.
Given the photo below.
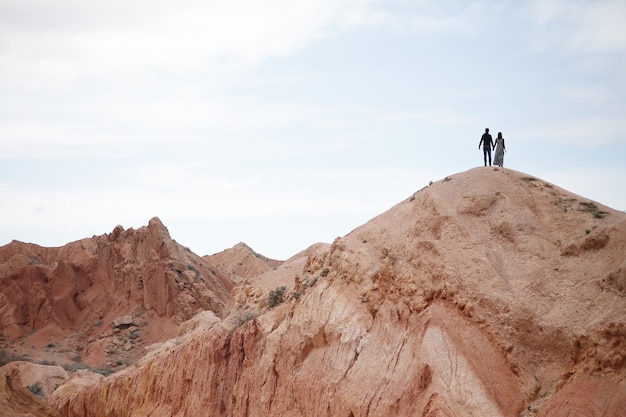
489, 292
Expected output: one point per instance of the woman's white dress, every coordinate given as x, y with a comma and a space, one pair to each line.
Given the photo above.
499, 158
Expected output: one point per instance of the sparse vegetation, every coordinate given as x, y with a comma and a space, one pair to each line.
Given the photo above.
307, 282
5, 357
50, 345
78, 366
593, 209
565, 203
36, 389
74, 367
104, 371
276, 296
245, 316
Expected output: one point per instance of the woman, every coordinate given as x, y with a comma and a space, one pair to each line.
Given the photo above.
499, 158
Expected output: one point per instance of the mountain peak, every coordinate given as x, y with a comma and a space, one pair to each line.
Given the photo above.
241, 262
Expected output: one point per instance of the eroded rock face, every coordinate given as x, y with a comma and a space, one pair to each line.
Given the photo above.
488, 293
17, 401
52, 299
588, 396
43, 379
344, 361
78, 381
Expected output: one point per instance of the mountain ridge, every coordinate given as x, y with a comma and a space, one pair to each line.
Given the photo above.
72, 294
490, 292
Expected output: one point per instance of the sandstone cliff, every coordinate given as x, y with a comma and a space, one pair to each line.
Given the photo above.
489, 293
59, 304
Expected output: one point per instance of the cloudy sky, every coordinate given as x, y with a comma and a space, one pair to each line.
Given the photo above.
282, 123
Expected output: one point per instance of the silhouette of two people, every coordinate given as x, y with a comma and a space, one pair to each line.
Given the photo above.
487, 143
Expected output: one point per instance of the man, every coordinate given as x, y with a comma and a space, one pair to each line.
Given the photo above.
487, 141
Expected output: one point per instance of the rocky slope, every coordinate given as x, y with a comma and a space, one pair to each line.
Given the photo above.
490, 292
241, 262
97, 302
17, 401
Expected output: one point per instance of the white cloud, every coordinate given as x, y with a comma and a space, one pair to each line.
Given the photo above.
75, 74
430, 24
600, 98
68, 38
590, 131
581, 26
185, 178
445, 117
186, 193
436, 17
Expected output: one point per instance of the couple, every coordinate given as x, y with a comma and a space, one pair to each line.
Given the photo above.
487, 143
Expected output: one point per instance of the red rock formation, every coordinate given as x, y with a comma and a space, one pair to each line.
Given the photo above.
488, 293
44, 377
53, 297
17, 401
240, 262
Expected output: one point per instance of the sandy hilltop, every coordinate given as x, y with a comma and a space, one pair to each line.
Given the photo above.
488, 293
